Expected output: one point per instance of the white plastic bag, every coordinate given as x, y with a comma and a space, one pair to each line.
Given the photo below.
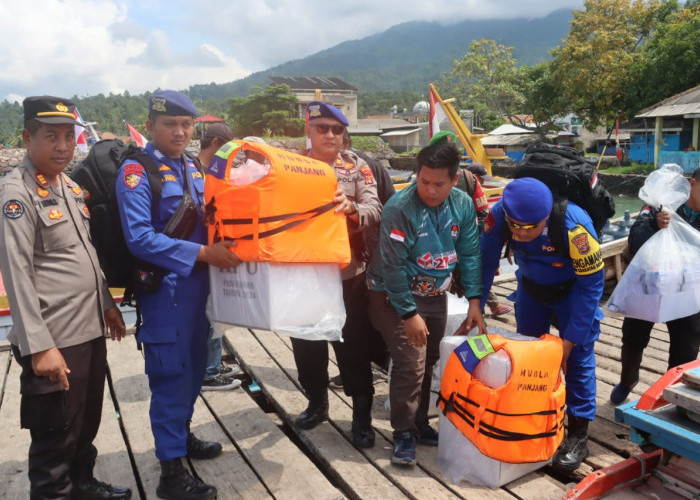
662, 283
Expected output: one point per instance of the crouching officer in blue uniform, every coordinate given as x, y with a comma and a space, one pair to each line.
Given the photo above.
552, 288
175, 329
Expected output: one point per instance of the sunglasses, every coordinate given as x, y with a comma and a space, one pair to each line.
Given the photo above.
515, 225
336, 129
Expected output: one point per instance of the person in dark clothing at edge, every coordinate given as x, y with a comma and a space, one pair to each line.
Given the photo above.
356, 197
684, 333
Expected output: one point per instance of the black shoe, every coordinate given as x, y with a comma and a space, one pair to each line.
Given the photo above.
314, 414
176, 483
427, 435
574, 449
202, 450
363, 438
335, 382
362, 432
97, 490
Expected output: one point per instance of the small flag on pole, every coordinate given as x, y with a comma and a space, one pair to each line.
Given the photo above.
80, 139
136, 136
437, 114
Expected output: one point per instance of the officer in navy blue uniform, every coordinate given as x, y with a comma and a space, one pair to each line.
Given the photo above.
553, 288
175, 329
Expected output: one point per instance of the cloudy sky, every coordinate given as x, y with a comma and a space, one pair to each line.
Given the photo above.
86, 47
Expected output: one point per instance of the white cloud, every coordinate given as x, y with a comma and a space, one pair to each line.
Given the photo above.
86, 47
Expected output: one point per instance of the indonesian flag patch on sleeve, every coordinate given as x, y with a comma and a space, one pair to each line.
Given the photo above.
397, 235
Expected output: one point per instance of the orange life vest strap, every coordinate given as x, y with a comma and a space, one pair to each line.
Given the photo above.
489, 430
315, 212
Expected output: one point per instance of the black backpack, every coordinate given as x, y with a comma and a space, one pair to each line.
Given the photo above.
97, 175
570, 177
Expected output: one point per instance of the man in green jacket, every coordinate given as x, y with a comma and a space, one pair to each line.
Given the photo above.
426, 229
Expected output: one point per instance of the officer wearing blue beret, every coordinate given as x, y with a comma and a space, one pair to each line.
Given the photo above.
357, 198
553, 288
175, 329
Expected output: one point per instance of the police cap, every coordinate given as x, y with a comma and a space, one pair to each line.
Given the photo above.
171, 103
49, 109
318, 109
527, 200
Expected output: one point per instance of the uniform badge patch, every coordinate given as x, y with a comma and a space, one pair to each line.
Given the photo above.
314, 110
41, 179
397, 235
85, 210
42, 192
169, 178
158, 104
133, 173
13, 209
165, 168
584, 251
55, 214
196, 175
454, 230
367, 173
76, 190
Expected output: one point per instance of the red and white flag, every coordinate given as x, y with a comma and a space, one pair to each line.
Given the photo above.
136, 136
437, 114
397, 235
80, 139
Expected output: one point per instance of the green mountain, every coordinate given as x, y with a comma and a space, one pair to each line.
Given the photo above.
409, 55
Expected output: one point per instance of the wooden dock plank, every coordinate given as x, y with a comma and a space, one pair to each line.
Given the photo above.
113, 464
229, 472
414, 479
133, 397
282, 467
338, 458
14, 441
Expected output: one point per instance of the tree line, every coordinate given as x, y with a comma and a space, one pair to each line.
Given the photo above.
618, 57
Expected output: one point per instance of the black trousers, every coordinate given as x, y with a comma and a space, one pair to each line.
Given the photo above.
684, 338
63, 424
354, 354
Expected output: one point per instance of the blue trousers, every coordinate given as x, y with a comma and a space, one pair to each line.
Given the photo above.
174, 334
534, 319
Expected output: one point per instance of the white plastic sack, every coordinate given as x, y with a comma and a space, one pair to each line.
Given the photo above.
300, 300
662, 283
458, 458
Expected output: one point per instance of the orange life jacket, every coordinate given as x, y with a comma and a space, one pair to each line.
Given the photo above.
519, 422
285, 216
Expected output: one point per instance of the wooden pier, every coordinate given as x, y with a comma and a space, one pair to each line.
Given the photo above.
266, 456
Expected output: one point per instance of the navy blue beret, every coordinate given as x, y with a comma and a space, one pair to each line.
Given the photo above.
318, 109
171, 103
527, 200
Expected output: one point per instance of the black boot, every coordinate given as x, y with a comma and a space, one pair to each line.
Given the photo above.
573, 450
631, 359
176, 483
315, 413
86, 487
362, 432
201, 450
